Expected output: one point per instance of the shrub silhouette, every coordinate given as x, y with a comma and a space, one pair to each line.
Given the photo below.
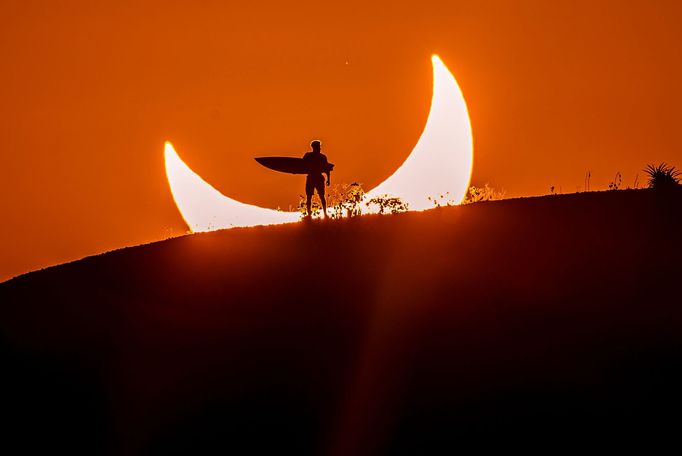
485, 193
345, 200
388, 204
662, 176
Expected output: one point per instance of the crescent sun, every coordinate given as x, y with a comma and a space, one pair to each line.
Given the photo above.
438, 168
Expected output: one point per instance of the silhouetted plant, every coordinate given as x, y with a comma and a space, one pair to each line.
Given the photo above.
662, 176
615, 185
388, 204
345, 200
485, 193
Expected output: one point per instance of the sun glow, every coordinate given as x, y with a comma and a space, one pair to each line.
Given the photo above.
438, 168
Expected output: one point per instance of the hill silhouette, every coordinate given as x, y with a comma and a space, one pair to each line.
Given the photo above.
547, 323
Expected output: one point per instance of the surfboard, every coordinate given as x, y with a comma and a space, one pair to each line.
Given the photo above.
292, 165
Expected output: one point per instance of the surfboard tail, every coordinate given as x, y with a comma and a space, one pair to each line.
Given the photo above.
289, 165
293, 165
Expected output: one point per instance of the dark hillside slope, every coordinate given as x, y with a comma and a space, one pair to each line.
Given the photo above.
544, 322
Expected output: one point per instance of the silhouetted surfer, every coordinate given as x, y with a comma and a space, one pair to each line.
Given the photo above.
315, 179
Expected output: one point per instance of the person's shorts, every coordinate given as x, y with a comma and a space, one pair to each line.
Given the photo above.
314, 182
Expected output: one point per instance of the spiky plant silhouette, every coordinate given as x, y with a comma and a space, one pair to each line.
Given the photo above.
663, 176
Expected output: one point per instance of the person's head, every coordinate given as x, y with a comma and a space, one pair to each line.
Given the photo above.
316, 145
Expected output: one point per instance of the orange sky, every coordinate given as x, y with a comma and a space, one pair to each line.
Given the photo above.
90, 91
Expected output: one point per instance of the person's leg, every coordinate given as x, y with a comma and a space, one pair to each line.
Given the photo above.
323, 199
324, 205
309, 190
308, 203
